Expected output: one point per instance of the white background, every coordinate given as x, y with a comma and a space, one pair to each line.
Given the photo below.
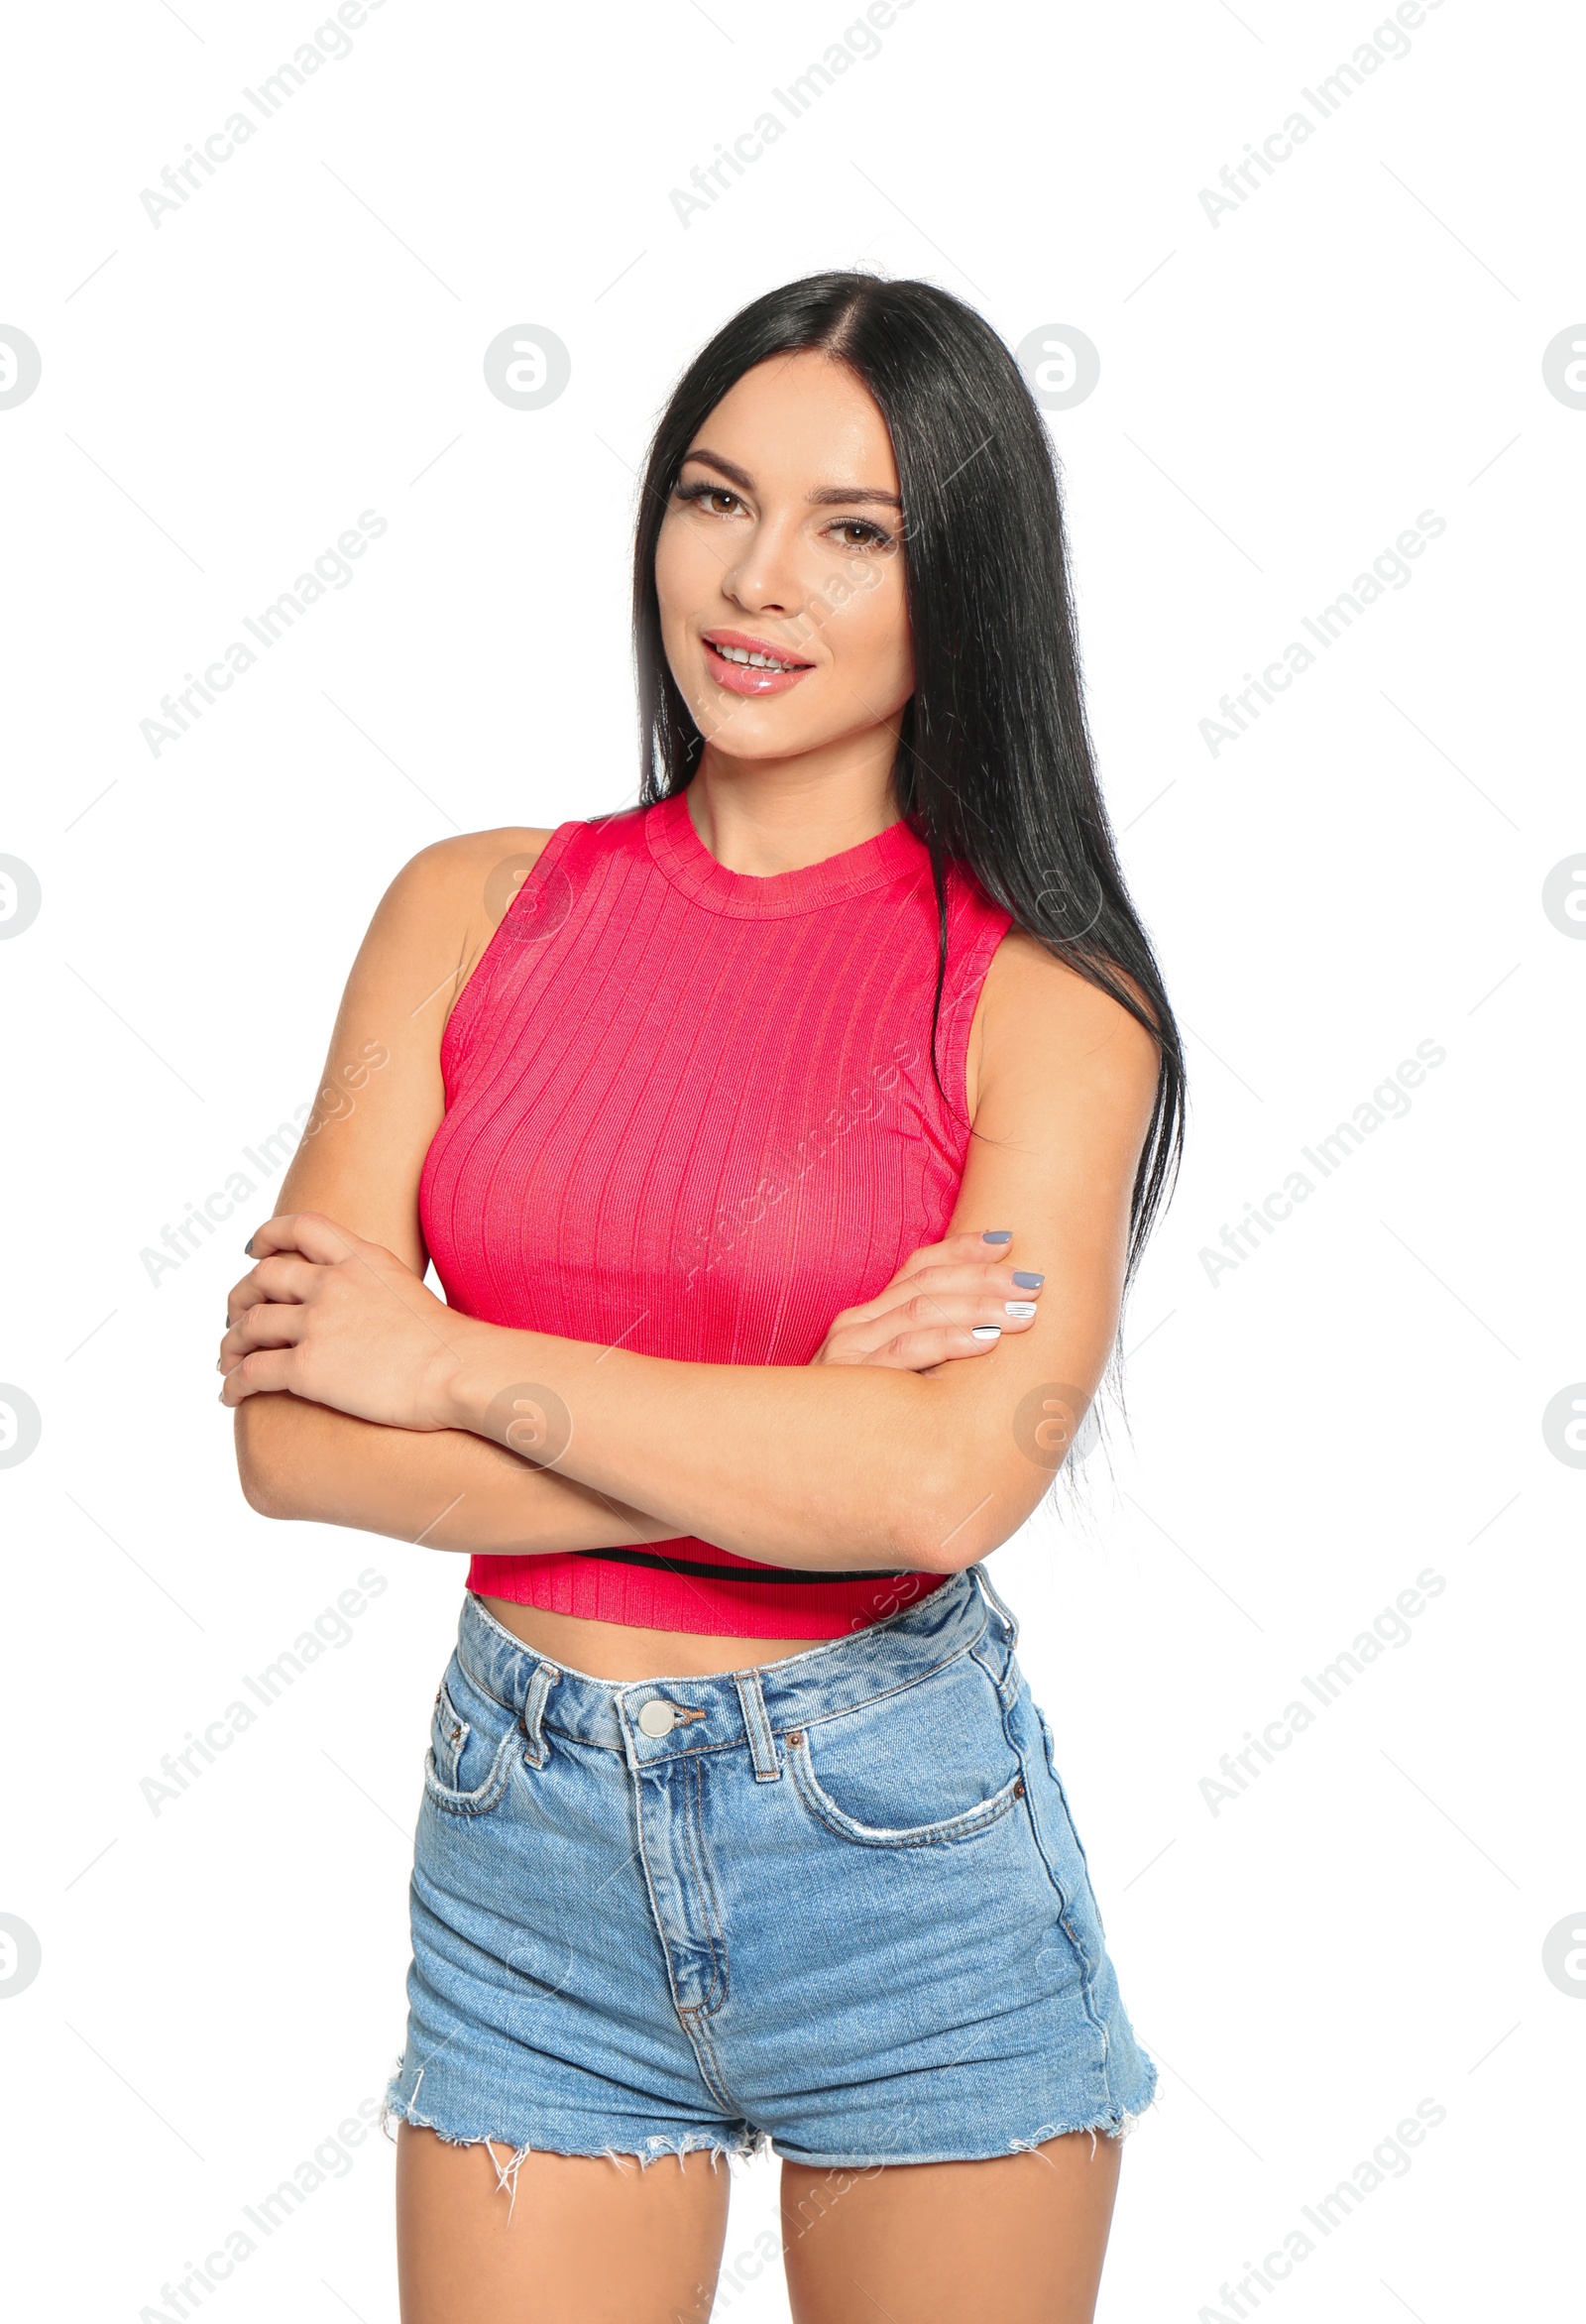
1281, 395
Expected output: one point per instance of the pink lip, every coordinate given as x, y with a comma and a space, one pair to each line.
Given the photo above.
735, 676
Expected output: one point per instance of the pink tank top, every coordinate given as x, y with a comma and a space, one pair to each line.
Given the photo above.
691, 1112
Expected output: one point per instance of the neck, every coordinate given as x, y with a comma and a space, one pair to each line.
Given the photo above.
764, 816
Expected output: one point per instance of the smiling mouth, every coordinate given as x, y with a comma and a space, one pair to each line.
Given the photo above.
755, 658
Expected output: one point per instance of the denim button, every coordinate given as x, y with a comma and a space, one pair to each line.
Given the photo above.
657, 1718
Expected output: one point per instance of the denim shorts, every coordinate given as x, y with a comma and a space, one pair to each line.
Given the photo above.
834, 1904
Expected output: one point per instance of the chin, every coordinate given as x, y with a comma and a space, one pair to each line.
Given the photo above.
757, 732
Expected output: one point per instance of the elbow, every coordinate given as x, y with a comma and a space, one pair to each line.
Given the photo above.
953, 1518
950, 1522
953, 1491
951, 1557
263, 1489
261, 1493
261, 1471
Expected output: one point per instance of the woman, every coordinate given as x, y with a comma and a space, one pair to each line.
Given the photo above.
784, 1147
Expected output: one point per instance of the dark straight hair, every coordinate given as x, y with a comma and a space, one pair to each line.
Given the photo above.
995, 768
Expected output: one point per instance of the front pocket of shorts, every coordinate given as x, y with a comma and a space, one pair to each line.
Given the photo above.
928, 1760
472, 1746
923, 1762
966, 1826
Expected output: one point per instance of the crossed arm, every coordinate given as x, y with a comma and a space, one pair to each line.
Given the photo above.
363, 1400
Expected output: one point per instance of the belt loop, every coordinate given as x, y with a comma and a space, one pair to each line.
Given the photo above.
539, 1687
986, 1584
758, 1726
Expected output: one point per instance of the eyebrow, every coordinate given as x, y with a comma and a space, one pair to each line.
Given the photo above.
826, 496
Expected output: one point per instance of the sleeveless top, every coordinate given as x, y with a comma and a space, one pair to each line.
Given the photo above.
691, 1112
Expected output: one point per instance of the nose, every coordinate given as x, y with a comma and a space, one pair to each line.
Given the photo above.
763, 579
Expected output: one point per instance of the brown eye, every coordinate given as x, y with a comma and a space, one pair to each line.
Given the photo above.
709, 496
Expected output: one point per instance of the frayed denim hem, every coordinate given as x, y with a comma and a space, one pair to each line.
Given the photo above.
1116, 2125
643, 2152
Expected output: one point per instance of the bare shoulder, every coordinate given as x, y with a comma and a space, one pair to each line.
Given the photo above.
474, 875
429, 932
1043, 1035
380, 1099
444, 905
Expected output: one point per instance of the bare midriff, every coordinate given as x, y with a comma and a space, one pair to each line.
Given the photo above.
611, 1650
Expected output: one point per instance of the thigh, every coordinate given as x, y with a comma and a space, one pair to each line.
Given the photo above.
1020, 2238
592, 2238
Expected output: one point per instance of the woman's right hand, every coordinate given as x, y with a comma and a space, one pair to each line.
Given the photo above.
949, 1300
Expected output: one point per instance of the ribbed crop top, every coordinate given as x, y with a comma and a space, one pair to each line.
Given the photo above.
691, 1112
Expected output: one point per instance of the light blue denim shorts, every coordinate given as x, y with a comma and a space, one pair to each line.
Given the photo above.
835, 1904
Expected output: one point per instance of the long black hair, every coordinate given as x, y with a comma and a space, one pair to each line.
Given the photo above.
995, 768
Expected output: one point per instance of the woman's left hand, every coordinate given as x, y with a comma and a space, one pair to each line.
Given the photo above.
337, 1321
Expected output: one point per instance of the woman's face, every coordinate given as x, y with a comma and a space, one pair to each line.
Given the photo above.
784, 541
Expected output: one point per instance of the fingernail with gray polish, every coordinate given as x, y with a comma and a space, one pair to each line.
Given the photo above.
1027, 1282
998, 1234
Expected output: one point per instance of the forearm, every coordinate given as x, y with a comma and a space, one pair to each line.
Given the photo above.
444, 1488
792, 1465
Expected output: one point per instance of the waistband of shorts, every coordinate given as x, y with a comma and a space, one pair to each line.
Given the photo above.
726, 1707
